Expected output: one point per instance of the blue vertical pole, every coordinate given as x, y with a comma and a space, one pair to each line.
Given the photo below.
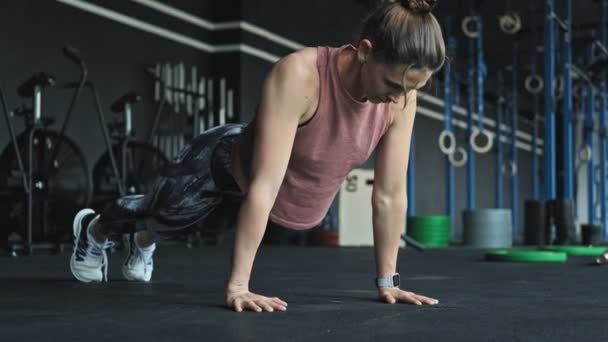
481, 70
447, 93
535, 175
535, 166
471, 106
498, 144
535, 182
604, 22
411, 185
603, 154
549, 142
514, 157
590, 165
456, 89
603, 142
567, 124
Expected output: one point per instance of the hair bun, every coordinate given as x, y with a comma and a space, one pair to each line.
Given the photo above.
419, 6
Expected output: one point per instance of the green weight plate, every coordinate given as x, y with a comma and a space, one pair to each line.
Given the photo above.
428, 233
435, 245
576, 250
426, 238
519, 255
429, 220
434, 242
428, 227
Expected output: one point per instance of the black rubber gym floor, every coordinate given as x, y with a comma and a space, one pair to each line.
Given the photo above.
330, 294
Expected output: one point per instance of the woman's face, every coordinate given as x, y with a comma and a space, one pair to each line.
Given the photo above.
383, 83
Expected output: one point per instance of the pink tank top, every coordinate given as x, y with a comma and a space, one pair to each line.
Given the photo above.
340, 136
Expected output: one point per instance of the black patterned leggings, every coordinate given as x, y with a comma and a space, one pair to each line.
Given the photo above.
195, 187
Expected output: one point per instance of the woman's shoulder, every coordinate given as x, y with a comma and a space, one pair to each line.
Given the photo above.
302, 63
300, 67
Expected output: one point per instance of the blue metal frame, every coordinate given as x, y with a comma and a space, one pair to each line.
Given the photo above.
447, 93
471, 106
602, 137
603, 154
481, 73
514, 155
535, 175
499, 193
549, 143
590, 100
568, 142
535, 108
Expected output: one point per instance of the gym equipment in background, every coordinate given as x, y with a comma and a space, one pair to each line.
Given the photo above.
139, 163
523, 255
430, 231
43, 190
355, 224
487, 228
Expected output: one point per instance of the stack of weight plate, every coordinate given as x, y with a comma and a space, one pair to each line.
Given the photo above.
487, 228
431, 231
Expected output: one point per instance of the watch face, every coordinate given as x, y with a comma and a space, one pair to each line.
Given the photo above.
396, 280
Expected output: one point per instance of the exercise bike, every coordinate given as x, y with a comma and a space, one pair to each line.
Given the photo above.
138, 162
44, 177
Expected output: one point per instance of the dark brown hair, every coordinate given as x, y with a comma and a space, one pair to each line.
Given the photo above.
405, 32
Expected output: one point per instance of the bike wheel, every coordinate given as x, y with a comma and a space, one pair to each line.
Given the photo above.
60, 186
144, 163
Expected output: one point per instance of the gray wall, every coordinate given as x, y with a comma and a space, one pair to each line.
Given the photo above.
116, 54
34, 32
310, 23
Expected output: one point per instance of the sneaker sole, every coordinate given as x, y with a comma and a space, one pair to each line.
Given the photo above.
125, 269
131, 278
76, 228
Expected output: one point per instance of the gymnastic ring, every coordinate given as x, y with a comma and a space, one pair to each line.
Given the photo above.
442, 142
534, 84
461, 162
510, 23
509, 168
471, 33
481, 148
584, 154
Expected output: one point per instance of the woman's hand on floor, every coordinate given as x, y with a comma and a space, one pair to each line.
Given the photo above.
394, 295
245, 300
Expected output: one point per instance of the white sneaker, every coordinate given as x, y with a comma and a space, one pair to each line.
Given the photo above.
89, 261
138, 265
